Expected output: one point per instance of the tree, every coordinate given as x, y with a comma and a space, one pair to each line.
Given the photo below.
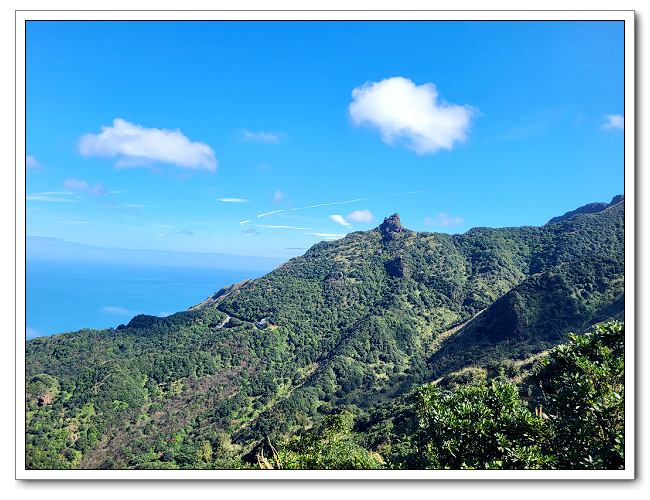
584, 393
479, 426
329, 447
204, 453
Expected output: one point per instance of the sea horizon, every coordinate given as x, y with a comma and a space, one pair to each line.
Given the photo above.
66, 296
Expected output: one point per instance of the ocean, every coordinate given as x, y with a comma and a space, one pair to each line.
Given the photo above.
68, 296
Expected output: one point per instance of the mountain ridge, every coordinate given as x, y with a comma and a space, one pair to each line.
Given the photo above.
353, 323
589, 208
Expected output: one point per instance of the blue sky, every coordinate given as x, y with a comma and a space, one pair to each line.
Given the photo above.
263, 138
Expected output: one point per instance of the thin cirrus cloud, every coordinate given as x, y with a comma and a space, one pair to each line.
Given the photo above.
233, 200
183, 231
327, 236
136, 145
117, 310
362, 213
267, 226
247, 135
414, 114
48, 197
443, 219
614, 122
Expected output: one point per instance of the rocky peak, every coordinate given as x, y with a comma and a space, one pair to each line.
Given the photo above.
392, 224
616, 199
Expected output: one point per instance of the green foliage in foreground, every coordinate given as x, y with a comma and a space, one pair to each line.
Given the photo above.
580, 424
478, 427
330, 446
583, 383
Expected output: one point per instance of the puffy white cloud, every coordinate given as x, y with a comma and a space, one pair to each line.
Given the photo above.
614, 121
400, 109
340, 220
81, 185
247, 135
137, 145
443, 219
31, 163
360, 216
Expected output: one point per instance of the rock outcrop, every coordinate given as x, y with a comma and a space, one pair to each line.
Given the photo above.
392, 224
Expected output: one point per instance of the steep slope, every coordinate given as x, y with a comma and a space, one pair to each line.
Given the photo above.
376, 302
357, 322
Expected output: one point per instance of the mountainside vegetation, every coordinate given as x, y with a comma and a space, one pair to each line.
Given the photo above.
388, 348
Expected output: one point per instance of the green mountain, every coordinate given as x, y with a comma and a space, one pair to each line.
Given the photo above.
356, 323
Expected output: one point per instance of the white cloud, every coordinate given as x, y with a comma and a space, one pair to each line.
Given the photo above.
45, 197
400, 109
233, 200
247, 135
269, 213
75, 184
30, 333
280, 227
81, 185
340, 220
183, 231
614, 121
279, 195
116, 310
31, 163
360, 216
137, 145
443, 219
